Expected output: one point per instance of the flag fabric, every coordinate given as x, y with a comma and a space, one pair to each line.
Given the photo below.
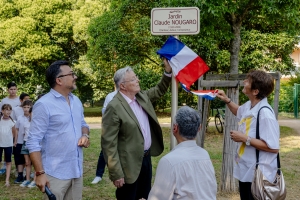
186, 65
207, 94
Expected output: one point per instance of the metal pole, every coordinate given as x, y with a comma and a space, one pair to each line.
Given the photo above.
174, 107
296, 101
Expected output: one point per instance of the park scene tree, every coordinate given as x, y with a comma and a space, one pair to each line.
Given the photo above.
98, 37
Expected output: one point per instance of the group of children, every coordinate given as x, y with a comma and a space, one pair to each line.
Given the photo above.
15, 120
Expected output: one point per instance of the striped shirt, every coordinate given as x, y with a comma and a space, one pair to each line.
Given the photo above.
55, 130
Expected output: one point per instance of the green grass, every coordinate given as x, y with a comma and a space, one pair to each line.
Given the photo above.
93, 111
290, 161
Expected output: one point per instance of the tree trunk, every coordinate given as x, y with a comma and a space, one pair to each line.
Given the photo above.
228, 182
235, 45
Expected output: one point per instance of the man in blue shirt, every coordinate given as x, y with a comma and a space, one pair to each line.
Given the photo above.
57, 134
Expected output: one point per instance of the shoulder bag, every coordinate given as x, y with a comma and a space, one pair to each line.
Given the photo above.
261, 188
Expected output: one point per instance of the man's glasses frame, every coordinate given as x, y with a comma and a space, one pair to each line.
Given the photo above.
70, 74
132, 80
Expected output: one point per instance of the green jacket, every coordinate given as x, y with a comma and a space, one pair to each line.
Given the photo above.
122, 140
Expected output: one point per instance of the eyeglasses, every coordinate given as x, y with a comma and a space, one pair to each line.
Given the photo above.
70, 74
132, 80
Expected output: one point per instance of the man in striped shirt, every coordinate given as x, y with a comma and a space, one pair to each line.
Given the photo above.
57, 134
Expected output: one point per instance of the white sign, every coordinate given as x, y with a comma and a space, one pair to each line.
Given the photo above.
175, 21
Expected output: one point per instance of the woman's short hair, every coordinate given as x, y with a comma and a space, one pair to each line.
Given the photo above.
262, 82
53, 70
119, 76
188, 121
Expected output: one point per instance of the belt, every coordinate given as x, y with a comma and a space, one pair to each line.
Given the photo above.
146, 152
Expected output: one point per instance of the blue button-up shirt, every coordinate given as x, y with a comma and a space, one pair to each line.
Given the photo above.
55, 130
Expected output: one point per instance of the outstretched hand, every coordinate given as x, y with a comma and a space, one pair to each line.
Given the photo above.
221, 95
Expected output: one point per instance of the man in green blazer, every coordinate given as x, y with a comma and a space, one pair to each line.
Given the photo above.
131, 133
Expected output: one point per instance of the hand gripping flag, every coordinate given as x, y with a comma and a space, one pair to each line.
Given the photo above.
186, 65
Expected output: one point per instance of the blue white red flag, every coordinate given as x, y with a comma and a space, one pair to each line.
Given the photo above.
207, 94
186, 65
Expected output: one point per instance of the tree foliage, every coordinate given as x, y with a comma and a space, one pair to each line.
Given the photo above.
34, 33
121, 36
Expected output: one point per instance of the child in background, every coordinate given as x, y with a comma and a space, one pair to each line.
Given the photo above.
7, 133
18, 110
20, 127
25, 151
13, 100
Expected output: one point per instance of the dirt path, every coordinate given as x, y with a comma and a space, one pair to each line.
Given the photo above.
292, 123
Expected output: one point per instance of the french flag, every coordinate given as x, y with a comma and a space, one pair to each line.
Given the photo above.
186, 65
207, 94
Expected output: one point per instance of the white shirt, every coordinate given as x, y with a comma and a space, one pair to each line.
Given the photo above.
108, 98
6, 137
26, 129
16, 113
245, 159
185, 173
13, 102
20, 125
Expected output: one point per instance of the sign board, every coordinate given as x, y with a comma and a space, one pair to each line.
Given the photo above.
175, 21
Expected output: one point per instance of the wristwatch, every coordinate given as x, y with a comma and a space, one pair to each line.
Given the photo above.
86, 135
248, 141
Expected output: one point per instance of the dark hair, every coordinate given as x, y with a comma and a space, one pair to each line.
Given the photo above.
27, 103
23, 95
40, 95
6, 106
53, 70
11, 84
262, 82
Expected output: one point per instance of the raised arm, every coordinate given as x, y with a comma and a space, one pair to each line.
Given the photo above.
233, 107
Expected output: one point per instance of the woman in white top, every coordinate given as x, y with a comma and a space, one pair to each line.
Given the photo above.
7, 133
258, 85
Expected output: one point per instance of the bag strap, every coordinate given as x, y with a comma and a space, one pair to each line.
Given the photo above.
257, 137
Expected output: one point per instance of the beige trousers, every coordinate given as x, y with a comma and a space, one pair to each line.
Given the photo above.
65, 189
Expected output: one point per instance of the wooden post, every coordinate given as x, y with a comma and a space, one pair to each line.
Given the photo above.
228, 182
201, 136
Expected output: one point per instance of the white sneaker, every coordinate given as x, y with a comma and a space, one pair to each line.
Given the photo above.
32, 184
25, 184
96, 180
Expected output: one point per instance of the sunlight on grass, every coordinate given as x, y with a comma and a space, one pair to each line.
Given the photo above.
289, 155
98, 120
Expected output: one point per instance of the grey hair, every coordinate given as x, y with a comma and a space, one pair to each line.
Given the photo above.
119, 75
188, 121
